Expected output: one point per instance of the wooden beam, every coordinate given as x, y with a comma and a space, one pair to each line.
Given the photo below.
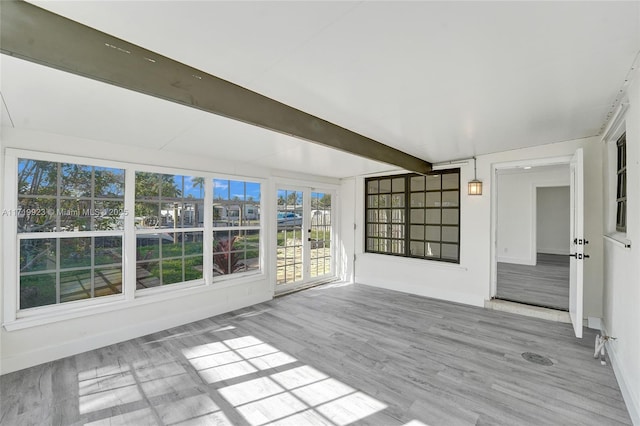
35, 34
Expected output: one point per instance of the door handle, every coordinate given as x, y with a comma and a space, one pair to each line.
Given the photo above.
574, 255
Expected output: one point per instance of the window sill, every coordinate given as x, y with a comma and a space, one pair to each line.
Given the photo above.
618, 239
142, 298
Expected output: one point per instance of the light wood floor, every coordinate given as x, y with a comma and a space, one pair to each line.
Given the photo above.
332, 355
545, 284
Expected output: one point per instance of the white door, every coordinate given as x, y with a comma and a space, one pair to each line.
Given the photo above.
577, 242
304, 237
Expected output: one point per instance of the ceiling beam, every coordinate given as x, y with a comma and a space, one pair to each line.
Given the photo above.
37, 35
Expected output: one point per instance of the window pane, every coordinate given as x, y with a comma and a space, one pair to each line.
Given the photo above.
193, 268
147, 215
385, 185
108, 182
450, 234
450, 199
433, 199
385, 200
417, 215
384, 216
397, 231
171, 244
417, 199
433, 182
75, 215
450, 181
397, 246
37, 290
37, 255
147, 186
450, 251
450, 216
373, 201
75, 285
148, 246
372, 230
417, 248
75, 252
417, 184
433, 216
108, 250
37, 215
372, 187
372, 215
75, 180
397, 185
192, 243
172, 271
108, 215
433, 250
398, 216
108, 281
37, 177
417, 232
397, 200
148, 275
433, 233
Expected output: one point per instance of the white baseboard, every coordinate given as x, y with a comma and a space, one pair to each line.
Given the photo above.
630, 397
87, 343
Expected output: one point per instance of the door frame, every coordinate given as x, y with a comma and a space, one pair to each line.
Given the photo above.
552, 161
312, 186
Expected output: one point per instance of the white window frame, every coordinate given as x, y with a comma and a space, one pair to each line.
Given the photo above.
615, 129
14, 318
260, 228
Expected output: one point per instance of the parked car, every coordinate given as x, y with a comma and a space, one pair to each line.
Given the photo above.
289, 220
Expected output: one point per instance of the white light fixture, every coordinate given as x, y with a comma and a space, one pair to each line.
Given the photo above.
475, 185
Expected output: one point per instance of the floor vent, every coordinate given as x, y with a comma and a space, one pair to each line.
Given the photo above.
537, 359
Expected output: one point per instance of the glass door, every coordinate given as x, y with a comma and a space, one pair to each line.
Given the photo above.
304, 237
290, 244
320, 235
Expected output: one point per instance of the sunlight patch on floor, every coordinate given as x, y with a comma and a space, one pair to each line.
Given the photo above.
299, 396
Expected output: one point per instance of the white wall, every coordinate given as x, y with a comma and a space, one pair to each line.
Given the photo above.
622, 266
517, 210
470, 281
105, 325
553, 220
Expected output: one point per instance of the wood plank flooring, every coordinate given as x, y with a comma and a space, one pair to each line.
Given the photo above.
332, 355
545, 284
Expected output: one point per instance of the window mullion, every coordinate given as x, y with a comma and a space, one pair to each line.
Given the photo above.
129, 243
207, 238
407, 216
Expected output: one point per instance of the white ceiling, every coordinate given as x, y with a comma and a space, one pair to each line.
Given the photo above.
439, 80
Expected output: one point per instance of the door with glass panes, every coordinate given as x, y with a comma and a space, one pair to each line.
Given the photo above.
304, 237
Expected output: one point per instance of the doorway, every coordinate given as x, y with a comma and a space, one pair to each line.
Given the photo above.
514, 232
541, 276
533, 234
304, 237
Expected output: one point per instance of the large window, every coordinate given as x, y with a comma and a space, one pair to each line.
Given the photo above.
414, 215
75, 235
70, 219
236, 221
169, 229
621, 186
